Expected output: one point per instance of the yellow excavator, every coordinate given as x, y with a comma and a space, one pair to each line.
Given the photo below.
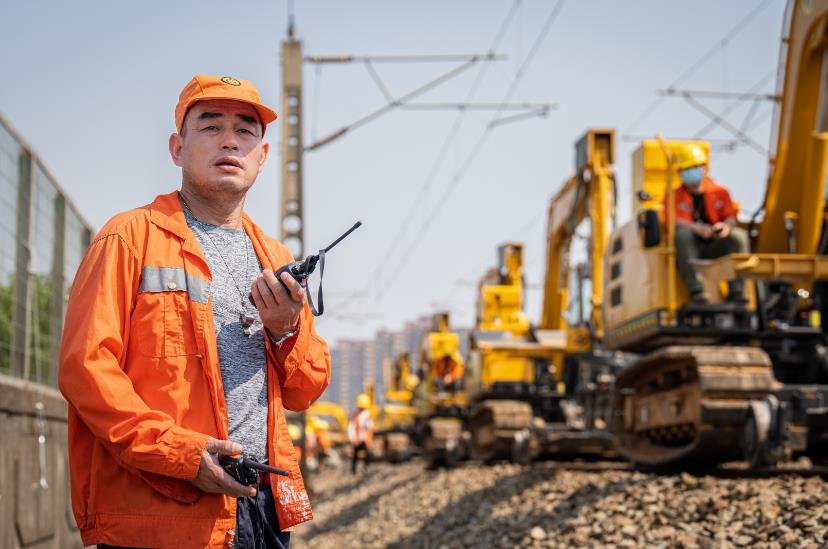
545, 389
509, 381
334, 416
746, 374
395, 424
576, 419
440, 400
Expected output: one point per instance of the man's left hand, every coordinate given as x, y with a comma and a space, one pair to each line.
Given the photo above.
278, 307
721, 230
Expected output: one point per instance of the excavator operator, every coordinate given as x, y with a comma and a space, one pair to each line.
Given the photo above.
447, 373
706, 224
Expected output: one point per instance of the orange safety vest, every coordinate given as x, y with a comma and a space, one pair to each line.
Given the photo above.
139, 368
718, 205
361, 428
448, 369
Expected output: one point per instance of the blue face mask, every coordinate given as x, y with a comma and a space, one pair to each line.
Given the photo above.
692, 176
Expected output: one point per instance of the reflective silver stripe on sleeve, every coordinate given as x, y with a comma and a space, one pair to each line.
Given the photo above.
174, 279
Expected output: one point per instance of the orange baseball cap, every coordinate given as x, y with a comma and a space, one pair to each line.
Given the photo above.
203, 87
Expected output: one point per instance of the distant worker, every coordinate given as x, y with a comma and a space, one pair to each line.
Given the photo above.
321, 432
166, 362
706, 223
447, 373
440, 353
361, 432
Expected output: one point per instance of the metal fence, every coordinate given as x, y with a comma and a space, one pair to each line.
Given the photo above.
42, 240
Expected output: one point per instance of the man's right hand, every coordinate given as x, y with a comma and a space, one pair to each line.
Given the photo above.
703, 230
212, 477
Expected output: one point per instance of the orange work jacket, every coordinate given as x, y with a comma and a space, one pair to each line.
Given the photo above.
448, 369
139, 367
718, 205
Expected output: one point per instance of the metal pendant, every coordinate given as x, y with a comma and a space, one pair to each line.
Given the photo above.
247, 323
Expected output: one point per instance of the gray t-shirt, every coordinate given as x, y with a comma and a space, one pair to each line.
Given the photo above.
234, 266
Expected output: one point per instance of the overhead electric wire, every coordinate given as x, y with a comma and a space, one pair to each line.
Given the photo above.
743, 137
747, 125
732, 33
525, 228
730, 108
458, 176
392, 105
450, 58
443, 150
378, 81
749, 116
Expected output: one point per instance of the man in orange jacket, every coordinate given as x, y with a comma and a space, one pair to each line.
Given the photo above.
167, 364
706, 223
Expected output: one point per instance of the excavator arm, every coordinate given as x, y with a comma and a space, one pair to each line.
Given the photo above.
795, 196
589, 194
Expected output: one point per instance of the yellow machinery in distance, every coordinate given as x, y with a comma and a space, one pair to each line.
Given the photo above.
326, 434
441, 408
334, 415
501, 320
545, 389
576, 421
745, 375
508, 375
396, 418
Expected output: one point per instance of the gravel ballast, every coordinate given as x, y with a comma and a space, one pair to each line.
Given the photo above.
552, 504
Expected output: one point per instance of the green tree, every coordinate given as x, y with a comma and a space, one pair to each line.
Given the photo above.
41, 338
6, 293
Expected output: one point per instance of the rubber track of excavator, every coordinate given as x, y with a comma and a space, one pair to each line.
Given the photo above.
688, 405
494, 424
442, 444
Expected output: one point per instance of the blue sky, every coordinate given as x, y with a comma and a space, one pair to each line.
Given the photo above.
91, 85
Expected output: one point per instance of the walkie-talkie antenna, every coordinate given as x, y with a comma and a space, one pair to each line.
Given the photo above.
338, 240
301, 270
253, 464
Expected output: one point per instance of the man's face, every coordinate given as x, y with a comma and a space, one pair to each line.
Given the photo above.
220, 148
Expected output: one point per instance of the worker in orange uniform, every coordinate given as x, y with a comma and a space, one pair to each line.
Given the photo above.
361, 432
320, 429
706, 224
166, 362
447, 373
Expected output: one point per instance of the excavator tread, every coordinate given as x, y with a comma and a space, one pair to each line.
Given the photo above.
688, 403
494, 424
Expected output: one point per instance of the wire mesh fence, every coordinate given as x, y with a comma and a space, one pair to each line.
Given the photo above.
42, 240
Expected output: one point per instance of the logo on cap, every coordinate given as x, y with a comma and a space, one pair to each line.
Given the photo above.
230, 80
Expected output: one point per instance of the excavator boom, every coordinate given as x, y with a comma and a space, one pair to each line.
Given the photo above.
799, 167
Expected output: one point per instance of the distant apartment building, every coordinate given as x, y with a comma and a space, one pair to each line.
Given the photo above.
352, 364
334, 391
384, 353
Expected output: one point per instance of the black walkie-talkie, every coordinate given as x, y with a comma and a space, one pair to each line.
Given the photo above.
301, 270
246, 470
